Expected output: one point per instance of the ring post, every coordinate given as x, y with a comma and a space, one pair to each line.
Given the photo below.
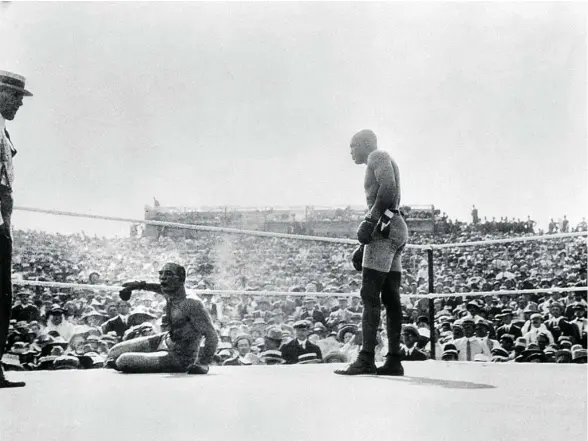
431, 302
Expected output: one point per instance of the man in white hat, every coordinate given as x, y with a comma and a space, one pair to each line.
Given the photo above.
12, 91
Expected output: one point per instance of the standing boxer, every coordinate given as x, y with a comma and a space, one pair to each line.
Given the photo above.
12, 91
383, 235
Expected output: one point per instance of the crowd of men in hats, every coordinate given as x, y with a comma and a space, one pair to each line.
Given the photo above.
62, 328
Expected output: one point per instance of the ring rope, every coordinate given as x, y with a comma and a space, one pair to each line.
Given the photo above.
314, 294
510, 240
196, 227
293, 236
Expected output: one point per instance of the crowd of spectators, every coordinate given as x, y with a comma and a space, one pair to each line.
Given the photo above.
56, 328
504, 225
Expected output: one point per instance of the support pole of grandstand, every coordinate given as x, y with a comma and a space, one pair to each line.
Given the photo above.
431, 303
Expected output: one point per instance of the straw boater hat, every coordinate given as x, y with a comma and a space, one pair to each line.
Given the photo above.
309, 358
13, 81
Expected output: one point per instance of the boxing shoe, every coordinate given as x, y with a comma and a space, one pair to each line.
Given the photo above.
391, 367
197, 369
363, 365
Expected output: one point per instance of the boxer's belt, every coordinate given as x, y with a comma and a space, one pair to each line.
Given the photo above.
389, 211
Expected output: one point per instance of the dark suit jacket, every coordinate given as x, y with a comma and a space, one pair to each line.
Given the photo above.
580, 339
292, 350
317, 316
25, 313
117, 325
416, 355
508, 329
562, 328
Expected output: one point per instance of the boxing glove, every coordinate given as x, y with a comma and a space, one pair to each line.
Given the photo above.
357, 258
125, 294
365, 231
128, 288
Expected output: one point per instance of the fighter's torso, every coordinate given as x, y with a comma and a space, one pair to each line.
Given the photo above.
181, 319
371, 185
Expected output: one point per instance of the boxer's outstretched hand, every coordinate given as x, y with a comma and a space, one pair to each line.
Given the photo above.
128, 288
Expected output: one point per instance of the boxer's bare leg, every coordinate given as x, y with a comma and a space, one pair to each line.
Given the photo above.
142, 344
150, 362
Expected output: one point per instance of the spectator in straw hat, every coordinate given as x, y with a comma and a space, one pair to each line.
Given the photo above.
12, 91
300, 345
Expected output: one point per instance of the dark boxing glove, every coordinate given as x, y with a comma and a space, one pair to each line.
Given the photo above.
357, 258
125, 294
365, 231
128, 288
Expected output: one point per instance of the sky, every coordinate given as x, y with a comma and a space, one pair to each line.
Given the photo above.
254, 104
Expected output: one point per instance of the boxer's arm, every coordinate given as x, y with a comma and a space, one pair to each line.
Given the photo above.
380, 164
202, 321
153, 287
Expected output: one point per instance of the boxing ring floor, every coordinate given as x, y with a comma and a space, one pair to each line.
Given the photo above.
434, 401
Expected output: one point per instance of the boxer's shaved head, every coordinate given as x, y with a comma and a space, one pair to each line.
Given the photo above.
179, 270
362, 144
366, 138
172, 276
